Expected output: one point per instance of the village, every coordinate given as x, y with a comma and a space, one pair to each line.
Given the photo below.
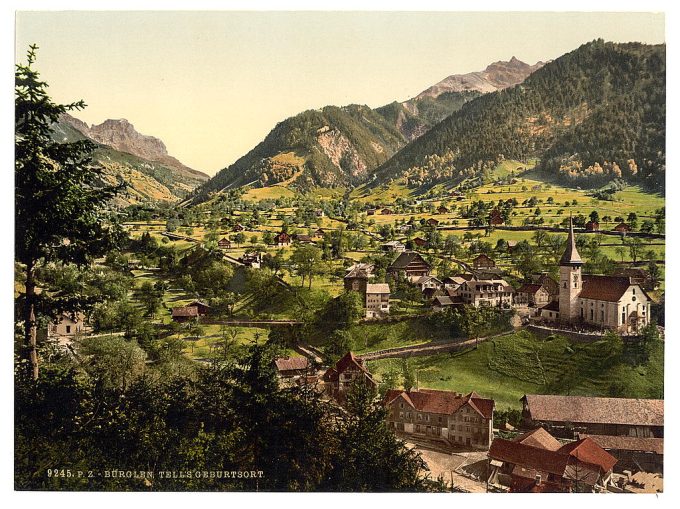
402, 274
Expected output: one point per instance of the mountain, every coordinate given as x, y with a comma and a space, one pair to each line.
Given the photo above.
496, 76
416, 116
330, 147
592, 115
126, 155
341, 146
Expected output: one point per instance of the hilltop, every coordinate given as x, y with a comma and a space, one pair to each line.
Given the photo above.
140, 160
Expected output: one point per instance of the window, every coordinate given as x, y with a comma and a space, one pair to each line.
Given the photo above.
401, 405
401, 415
68, 329
602, 316
591, 314
419, 416
623, 318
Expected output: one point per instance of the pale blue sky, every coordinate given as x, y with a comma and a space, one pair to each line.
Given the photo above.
211, 85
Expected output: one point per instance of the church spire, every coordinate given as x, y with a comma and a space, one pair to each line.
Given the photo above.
571, 256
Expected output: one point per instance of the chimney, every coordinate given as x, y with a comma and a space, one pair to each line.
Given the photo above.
538, 479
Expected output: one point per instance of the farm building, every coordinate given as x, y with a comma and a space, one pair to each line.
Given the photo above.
537, 463
377, 300
348, 370
566, 415
409, 265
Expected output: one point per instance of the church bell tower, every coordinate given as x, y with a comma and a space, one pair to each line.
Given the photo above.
570, 279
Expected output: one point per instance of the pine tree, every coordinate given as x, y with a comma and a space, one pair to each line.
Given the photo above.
59, 213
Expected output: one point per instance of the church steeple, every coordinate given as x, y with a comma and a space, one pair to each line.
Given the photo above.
571, 256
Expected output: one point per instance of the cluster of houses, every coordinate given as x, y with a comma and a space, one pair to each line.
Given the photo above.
618, 302
564, 444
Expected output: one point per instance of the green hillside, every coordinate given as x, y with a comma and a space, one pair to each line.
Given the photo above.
590, 116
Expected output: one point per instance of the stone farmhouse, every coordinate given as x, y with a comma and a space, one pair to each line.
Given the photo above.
532, 295
482, 261
357, 276
66, 327
602, 301
453, 418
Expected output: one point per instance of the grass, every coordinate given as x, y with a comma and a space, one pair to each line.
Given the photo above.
507, 368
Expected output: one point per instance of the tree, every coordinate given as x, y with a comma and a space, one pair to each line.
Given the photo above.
151, 297
634, 247
408, 375
595, 216
540, 237
239, 238
307, 261
59, 213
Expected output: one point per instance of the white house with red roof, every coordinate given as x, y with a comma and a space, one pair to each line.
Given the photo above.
347, 371
454, 418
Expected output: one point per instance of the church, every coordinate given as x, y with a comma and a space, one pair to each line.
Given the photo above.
612, 302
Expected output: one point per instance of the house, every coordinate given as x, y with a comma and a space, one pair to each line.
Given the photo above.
532, 295
432, 222
453, 282
302, 238
453, 418
512, 244
442, 210
409, 265
224, 243
202, 307
420, 242
370, 212
393, 246
319, 213
612, 302
386, 212
592, 226
319, 233
425, 282
184, 314
282, 239
442, 302
622, 228
495, 218
238, 228
548, 283
357, 276
290, 367
347, 371
482, 261
431, 293
486, 292
252, 260
566, 415
537, 463
377, 300
66, 326
632, 453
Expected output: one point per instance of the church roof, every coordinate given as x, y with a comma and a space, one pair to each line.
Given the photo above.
571, 256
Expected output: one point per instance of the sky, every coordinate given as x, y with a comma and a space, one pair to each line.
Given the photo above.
211, 85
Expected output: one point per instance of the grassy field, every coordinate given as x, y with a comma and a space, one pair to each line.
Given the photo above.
507, 368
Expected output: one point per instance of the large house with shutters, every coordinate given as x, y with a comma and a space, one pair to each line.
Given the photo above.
614, 302
454, 418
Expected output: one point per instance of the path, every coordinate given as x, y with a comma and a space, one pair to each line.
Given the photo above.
428, 348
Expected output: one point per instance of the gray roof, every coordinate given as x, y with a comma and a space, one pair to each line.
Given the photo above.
571, 256
378, 288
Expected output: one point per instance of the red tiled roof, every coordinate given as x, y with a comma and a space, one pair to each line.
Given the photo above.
442, 402
517, 453
291, 363
539, 438
586, 450
529, 288
577, 409
606, 288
